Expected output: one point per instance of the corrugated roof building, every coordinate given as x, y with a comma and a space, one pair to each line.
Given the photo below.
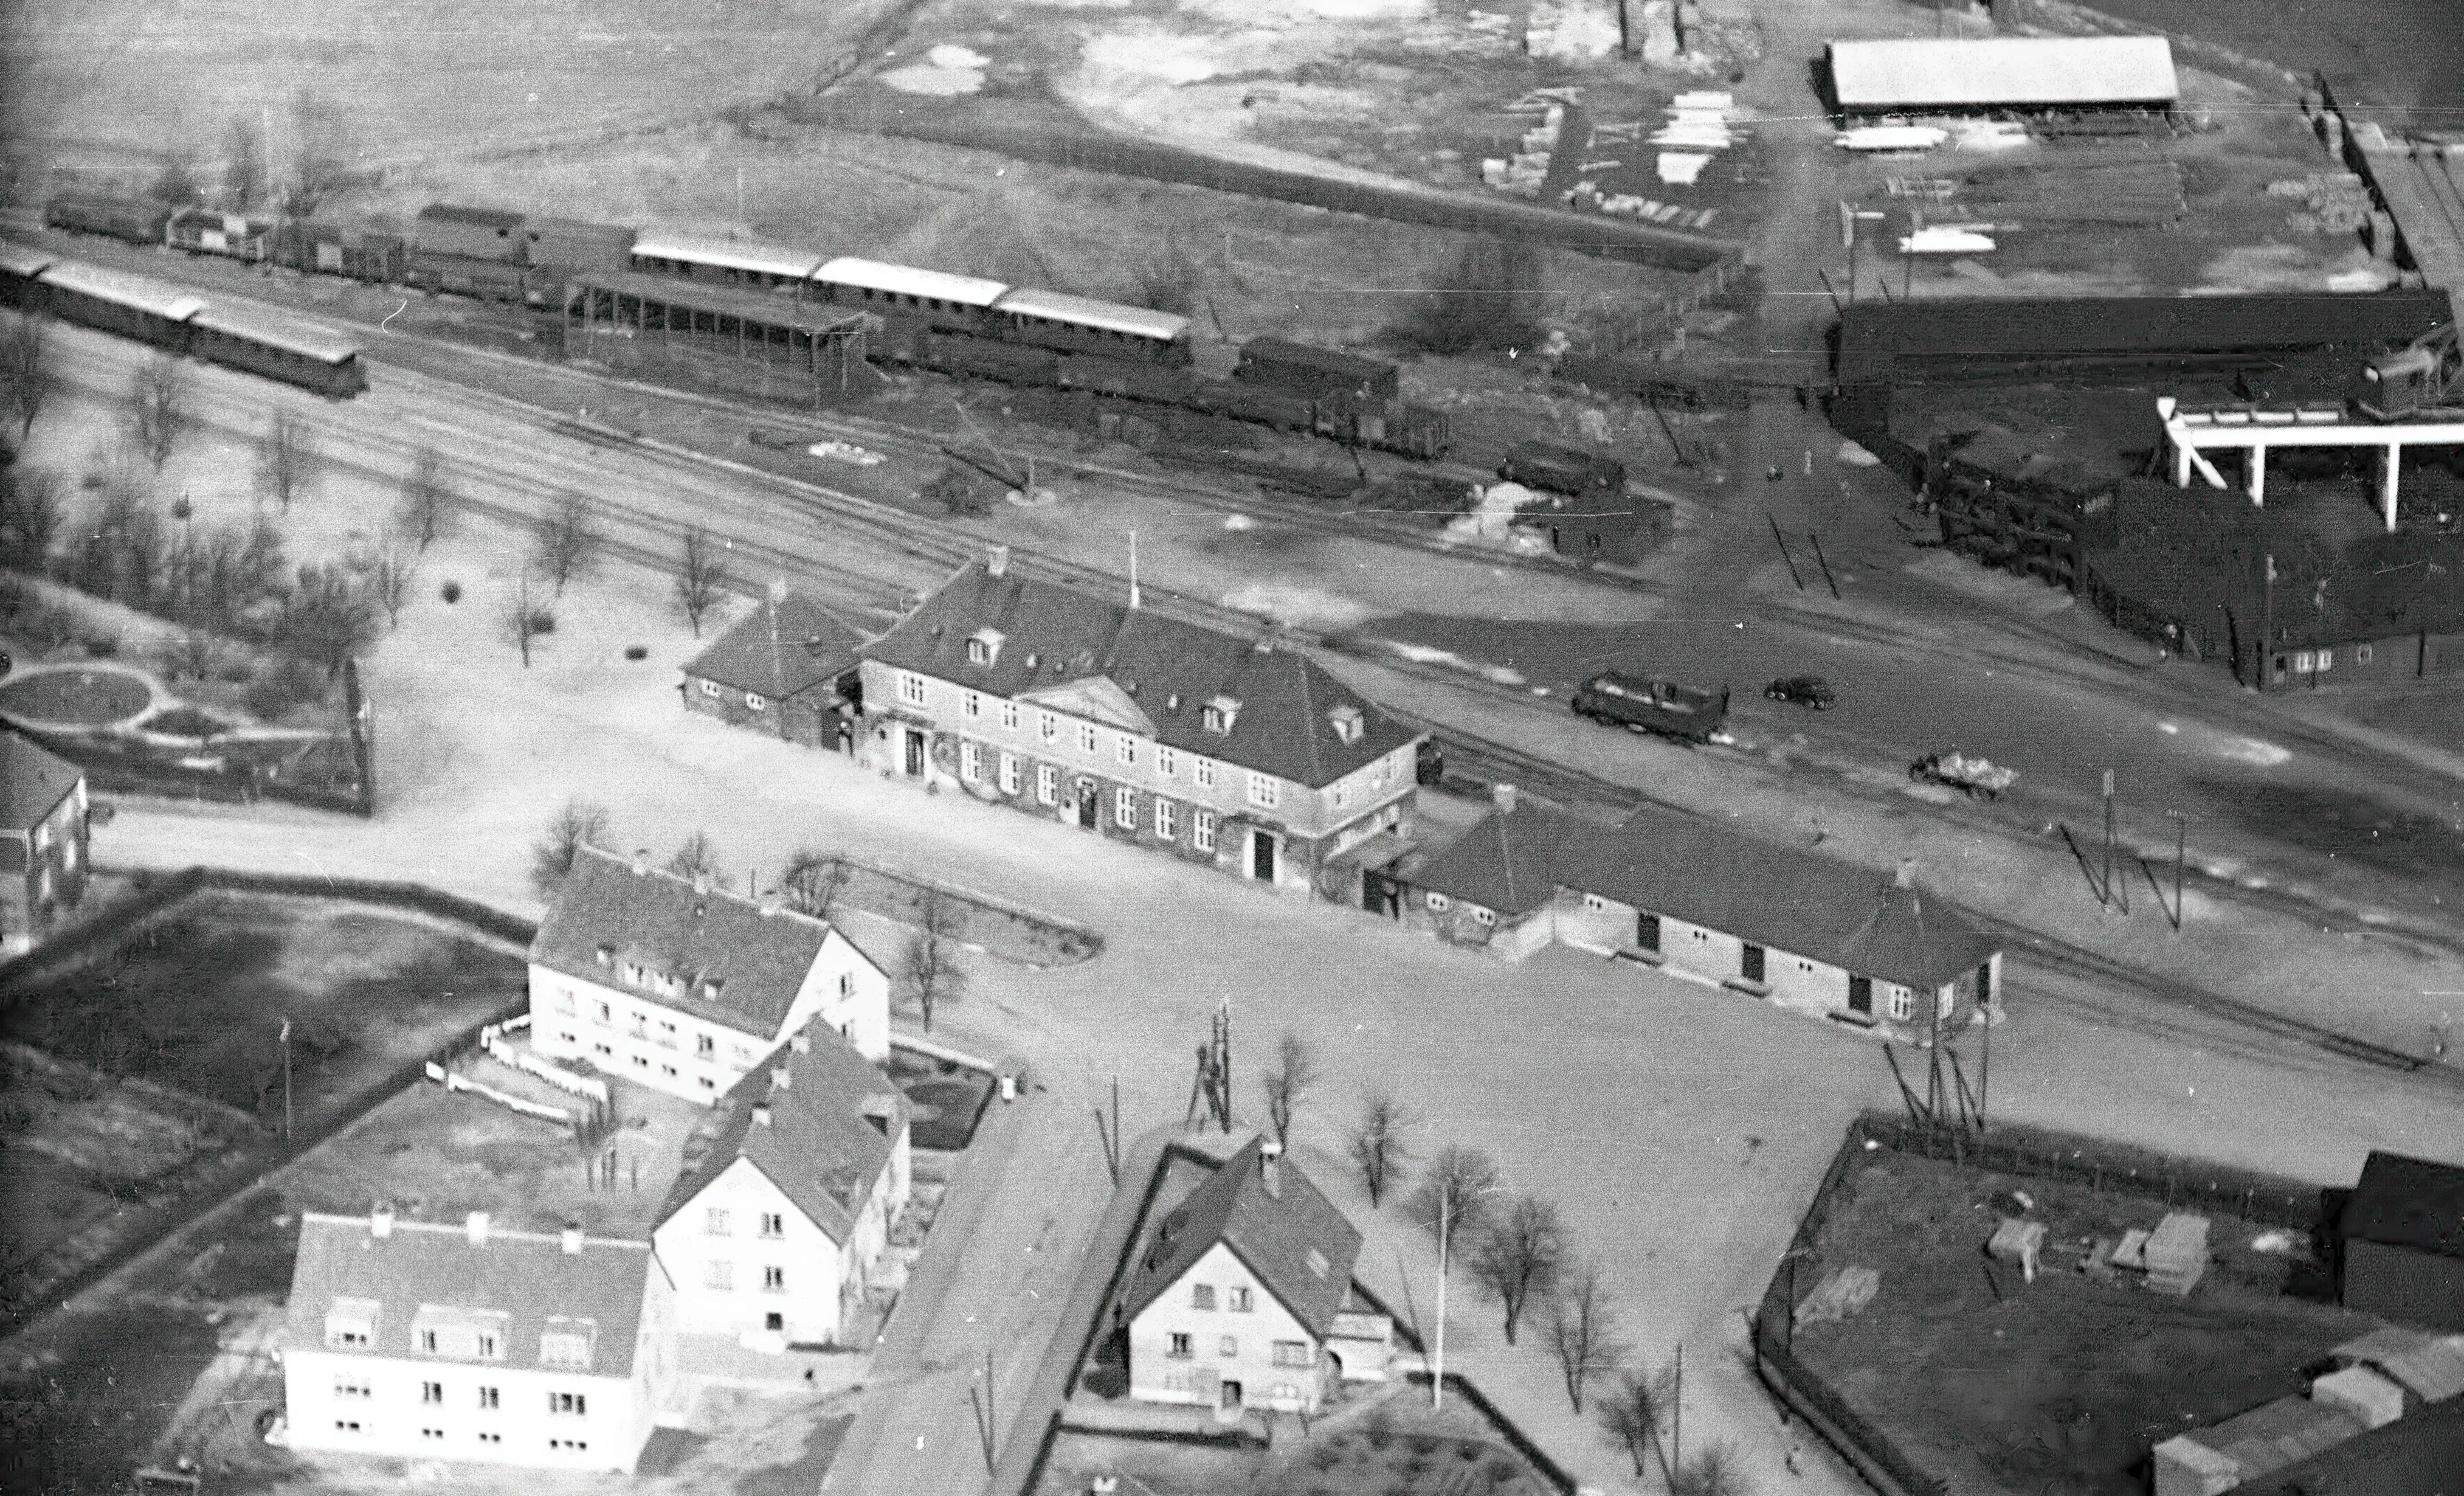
2003, 72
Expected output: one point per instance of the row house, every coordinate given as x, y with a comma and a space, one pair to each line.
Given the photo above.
676, 984
1240, 1295
421, 1341
42, 840
779, 1218
787, 669
1112, 717
1803, 932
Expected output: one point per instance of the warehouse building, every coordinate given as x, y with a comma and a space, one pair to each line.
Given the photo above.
1960, 75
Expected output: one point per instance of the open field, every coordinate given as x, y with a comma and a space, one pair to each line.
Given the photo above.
2065, 1383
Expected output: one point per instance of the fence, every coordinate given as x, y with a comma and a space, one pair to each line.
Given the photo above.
588, 1087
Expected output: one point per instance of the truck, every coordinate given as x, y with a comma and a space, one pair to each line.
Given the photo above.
1661, 706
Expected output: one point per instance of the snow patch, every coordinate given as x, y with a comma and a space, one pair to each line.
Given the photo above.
951, 55
2253, 751
1851, 455
1168, 59
934, 81
1431, 654
1236, 523
1307, 607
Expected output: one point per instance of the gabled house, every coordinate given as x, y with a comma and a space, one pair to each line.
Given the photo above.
1667, 890
787, 669
780, 1216
1113, 717
42, 840
676, 984
2400, 1242
1241, 1295
470, 1342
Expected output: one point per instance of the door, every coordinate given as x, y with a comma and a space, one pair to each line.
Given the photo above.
1751, 966
915, 753
1087, 803
1231, 1395
1646, 932
1261, 856
1860, 995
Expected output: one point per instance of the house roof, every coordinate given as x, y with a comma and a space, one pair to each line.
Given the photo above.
819, 1146
2431, 1367
34, 781
1300, 1246
1972, 72
526, 1276
1057, 637
2402, 1201
1509, 862
813, 648
658, 920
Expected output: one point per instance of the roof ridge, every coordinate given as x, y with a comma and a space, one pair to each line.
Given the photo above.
495, 1233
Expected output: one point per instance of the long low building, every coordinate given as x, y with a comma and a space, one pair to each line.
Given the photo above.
754, 342
1962, 74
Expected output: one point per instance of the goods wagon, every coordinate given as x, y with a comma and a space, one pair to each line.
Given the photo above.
574, 244
21, 269
1281, 363
133, 219
987, 359
202, 231
1275, 407
360, 254
1561, 470
111, 301
1156, 384
479, 233
462, 275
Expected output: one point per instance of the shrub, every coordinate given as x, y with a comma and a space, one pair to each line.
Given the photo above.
292, 682
1325, 1458
1380, 1430
101, 646
1493, 299
1423, 1444
1501, 1471
451, 592
635, 651
542, 622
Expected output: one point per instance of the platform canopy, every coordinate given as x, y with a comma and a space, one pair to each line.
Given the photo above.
2003, 71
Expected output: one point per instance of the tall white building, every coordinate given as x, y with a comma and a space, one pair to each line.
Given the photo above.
676, 984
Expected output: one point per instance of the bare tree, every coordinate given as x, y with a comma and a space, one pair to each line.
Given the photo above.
389, 572
158, 392
1492, 300
321, 160
1582, 1327
1172, 280
931, 973
814, 881
328, 617
1455, 1186
176, 183
194, 654
567, 537
30, 517
581, 824
1518, 1253
1713, 1472
427, 498
701, 578
284, 457
1294, 1073
694, 857
244, 173
1378, 1145
28, 371
1637, 1411
518, 621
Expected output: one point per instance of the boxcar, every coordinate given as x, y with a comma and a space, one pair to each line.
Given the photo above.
201, 230
1305, 370
477, 234
987, 359
1274, 408
133, 219
333, 250
763, 267
574, 244
948, 303
490, 280
1561, 470
21, 268
1417, 432
114, 301
1081, 324
265, 341
1156, 384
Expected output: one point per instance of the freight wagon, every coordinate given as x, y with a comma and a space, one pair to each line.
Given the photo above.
133, 219
20, 271
202, 231
333, 250
1304, 368
477, 234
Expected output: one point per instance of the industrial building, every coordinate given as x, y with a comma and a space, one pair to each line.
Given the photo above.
1963, 74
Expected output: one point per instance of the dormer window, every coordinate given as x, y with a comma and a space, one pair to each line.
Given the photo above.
351, 1324
983, 647
634, 974
1348, 723
1219, 715
606, 955
710, 989
564, 1345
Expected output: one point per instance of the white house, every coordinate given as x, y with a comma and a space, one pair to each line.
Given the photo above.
682, 986
1240, 1295
466, 1342
780, 1216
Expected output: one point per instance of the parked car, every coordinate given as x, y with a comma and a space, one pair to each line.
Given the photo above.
1653, 706
1806, 691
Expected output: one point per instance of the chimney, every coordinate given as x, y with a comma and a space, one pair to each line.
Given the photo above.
761, 1113
1504, 796
475, 1226
702, 884
641, 862
1271, 1168
381, 1221
571, 1237
1904, 876
1265, 644
778, 1078
997, 562
801, 1040
771, 902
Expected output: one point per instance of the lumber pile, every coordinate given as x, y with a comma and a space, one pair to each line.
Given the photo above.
2124, 187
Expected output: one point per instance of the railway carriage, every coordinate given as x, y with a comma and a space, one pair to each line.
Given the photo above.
763, 267
1082, 325
330, 248
202, 231
240, 337
1156, 384
944, 302
137, 220
987, 359
113, 301
21, 269
477, 234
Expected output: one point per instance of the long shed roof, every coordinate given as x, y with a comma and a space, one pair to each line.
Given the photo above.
762, 308
1971, 73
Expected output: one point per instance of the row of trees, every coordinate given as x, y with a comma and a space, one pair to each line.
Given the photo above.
317, 164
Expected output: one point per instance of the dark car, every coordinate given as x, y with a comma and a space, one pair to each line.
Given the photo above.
1653, 706
1429, 762
1806, 691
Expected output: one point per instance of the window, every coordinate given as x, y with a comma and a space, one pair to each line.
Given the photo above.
846, 986
487, 1347
1230, 1347
1264, 790
2362, 654
1218, 715
1009, 773
575, 1403
1047, 726
910, 688
641, 1028
1201, 830
1202, 1296
1483, 916
1702, 937
710, 688
715, 1222
1203, 770
488, 1398
1903, 1004
773, 1280
1348, 723
972, 703
432, 1392
1294, 1352
345, 1387
603, 1049
1085, 738
1238, 1301
1594, 902
667, 1034
575, 1444
492, 1439
704, 1046
1167, 820
757, 701
719, 1277
2326, 659
742, 1054
1124, 808
1164, 759
565, 1003
1805, 966
971, 761
568, 1346
774, 1321
1179, 1347
1010, 716
1047, 784
604, 1014
428, 1341
1438, 903
1127, 749
346, 1425
773, 1224
668, 1070
351, 1322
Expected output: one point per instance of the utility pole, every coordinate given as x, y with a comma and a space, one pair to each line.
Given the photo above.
286, 1080
2181, 850
1677, 1412
2104, 895
1437, 1367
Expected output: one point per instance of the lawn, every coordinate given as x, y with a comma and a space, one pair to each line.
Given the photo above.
2064, 1384
77, 698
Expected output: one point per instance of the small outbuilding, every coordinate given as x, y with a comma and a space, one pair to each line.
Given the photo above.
789, 669
2400, 1242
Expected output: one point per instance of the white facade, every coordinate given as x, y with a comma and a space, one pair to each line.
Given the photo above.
463, 1408
1217, 1339
630, 1030
746, 1260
